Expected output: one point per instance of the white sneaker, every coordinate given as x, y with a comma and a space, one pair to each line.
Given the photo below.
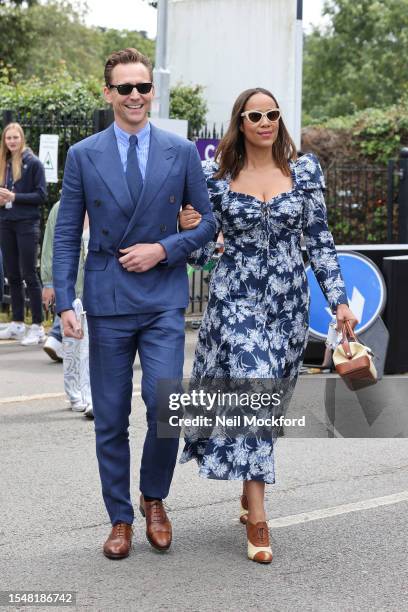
89, 412
12, 331
77, 406
53, 348
35, 335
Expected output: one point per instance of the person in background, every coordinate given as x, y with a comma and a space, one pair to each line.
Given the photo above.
1, 278
22, 193
73, 352
53, 343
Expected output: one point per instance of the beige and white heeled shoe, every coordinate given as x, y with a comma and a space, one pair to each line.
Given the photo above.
259, 549
243, 513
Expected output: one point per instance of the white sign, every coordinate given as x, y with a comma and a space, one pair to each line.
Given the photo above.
177, 126
49, 156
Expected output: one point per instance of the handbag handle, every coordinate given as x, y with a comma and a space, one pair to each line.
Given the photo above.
348, 335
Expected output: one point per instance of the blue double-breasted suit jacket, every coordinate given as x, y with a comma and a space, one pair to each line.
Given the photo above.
94, 180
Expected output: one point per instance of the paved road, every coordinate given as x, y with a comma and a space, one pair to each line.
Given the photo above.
338, 515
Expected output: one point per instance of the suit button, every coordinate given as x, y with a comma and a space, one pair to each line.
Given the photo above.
105, 232
163, 228
172, 199
97, 203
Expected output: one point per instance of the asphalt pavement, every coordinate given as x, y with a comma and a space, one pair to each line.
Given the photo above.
338, 514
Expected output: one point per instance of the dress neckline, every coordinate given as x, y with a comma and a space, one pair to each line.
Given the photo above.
278, 195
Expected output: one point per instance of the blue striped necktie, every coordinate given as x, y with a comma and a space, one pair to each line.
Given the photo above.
133, 174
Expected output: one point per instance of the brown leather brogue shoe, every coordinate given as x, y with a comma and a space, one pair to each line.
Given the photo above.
158, 526
119, 543
259, 549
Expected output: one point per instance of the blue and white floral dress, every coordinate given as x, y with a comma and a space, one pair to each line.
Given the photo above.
256, 322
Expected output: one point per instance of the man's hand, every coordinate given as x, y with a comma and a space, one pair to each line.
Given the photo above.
142, 257
189, 218
71, 327
48, 297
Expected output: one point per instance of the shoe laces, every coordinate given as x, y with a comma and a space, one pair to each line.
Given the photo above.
262, 536
120, 529
157, 512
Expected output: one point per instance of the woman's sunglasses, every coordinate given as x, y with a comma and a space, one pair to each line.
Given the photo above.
256, 116
126, 88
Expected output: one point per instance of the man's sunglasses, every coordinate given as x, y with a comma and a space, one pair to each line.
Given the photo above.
256, 116
124, 89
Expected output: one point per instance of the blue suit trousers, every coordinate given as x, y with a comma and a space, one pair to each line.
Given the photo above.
158, 337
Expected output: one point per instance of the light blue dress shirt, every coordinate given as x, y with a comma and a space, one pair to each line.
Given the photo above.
142, 149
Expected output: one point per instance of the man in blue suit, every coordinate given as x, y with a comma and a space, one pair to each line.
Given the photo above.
131, 179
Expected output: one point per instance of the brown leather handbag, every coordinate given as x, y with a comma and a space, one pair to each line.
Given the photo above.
354, 361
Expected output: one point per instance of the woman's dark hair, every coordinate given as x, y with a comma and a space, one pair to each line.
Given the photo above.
231, 154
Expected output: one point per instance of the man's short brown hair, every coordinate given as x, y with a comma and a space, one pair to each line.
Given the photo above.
126, 56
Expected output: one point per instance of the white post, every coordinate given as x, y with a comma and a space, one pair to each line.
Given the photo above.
161, 75
298, 73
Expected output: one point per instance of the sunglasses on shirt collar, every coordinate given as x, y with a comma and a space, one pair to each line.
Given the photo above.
124, 89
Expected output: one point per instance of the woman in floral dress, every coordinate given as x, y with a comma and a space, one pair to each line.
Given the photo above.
256, 322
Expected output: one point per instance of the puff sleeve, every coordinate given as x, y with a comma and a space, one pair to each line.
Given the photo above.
318, 238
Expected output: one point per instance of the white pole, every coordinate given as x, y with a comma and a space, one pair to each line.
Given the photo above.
298, 72
161, 75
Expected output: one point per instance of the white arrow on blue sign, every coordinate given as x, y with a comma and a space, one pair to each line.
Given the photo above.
365, 288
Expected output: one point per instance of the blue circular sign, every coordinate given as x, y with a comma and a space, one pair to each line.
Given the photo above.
365, 288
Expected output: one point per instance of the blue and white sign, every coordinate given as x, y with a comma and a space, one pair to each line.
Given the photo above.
365, 288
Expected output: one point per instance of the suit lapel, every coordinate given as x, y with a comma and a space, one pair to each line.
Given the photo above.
107, 162
161, 158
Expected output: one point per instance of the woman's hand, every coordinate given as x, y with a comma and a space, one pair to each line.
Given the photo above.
343, 313
6, 195
189, 218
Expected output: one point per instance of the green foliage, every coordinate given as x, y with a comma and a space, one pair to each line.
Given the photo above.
54, 62
372, 136
113, 40
18, 2
359, 61
187, 102
35, 97
40, 39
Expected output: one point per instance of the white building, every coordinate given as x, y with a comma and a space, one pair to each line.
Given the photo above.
230, 45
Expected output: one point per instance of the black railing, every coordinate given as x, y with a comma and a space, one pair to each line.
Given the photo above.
361, 202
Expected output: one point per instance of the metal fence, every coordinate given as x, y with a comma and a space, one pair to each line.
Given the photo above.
361, 204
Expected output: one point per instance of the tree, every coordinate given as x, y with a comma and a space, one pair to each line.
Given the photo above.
359, 60
40, 39
112, 40
37, 40
45, 46
187, 102
18, 2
